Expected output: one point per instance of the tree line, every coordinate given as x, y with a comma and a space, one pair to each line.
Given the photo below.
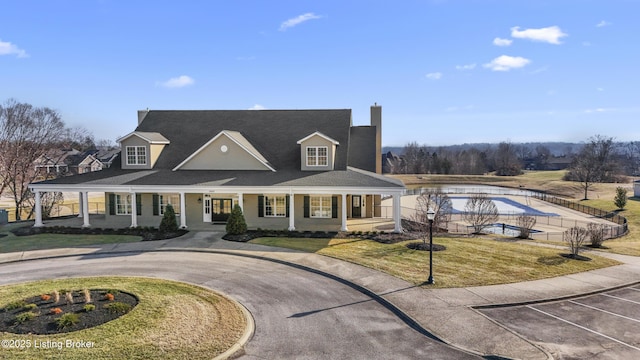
599, 159
26, 133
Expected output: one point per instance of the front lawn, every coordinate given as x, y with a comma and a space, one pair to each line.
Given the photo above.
12, 243
465, 262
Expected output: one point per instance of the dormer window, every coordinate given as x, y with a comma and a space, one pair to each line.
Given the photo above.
317, 155
317, 152
136, 155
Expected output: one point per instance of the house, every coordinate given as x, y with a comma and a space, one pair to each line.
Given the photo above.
54, 162
287, 169
64, 162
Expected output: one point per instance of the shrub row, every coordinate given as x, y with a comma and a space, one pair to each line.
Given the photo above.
146, 232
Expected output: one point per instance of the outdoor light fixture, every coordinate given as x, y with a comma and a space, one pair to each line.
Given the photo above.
431, 215
199, 200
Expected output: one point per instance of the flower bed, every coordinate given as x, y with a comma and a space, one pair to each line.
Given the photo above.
42, 315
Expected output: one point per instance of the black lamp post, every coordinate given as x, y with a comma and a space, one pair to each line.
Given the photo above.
430, 216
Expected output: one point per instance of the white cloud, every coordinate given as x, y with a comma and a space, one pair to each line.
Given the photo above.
257, 107
586, 43
7, 48
177, 82
502, 42
506, 63
551, 34
298, 20
600, 89
434, 76
466, 67
599, 110
603, 23
540, 70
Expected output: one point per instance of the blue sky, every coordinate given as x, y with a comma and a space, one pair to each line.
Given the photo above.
445, 72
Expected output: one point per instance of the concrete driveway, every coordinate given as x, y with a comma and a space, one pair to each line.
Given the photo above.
298, 314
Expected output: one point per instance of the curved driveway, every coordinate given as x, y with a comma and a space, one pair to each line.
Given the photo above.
298, 314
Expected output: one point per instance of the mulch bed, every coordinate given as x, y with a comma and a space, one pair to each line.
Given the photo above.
45, 321
576, 257
384, 238
425, 246
147, 233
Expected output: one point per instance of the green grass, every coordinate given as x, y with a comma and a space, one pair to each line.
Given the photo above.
172, 320
630, 243
465, 262
12, 243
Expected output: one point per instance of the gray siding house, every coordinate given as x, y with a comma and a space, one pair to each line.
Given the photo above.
287, 169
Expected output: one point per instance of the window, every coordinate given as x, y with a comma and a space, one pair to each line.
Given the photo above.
317, 156
275, 206
136, 155
123, 204
320, 206
173, 199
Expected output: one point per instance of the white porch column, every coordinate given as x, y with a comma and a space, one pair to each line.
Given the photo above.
134, 210
241, 202
85, 209
183, 212
292, 216
344, 213
80, 205
38, 210
397, 214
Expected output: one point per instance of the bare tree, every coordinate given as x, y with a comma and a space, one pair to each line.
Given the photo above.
48, 202
525, 224
542, 156
506, 160
414, 158
575, 237
481, 212
439, 202
596, 234
594, 163
26, 133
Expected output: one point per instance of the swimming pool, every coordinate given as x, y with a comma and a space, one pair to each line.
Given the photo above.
505, 229
505, 206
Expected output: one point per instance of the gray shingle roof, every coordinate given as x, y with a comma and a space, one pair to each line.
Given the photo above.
273, 133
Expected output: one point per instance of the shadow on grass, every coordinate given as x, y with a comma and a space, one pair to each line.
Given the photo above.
552, 260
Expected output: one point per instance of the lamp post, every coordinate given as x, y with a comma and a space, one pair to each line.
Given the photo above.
430, 216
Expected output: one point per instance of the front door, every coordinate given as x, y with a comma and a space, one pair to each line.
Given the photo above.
356, 206
206, 208
220, 209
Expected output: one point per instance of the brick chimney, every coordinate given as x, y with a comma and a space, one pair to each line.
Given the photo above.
376, 120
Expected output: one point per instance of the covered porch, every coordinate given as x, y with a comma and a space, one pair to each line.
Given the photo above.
302, 209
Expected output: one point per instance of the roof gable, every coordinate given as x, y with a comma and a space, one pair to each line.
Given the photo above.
228, 150
150, 137
318, 133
